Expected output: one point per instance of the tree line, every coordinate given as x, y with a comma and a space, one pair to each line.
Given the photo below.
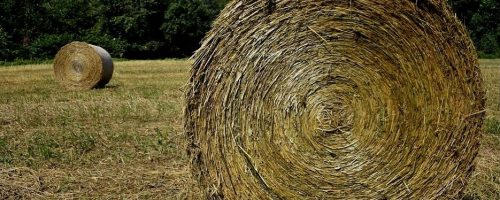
136, 29
482, 18
149, 29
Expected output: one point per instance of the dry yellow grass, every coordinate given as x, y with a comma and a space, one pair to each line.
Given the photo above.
125, 141
116, 142
485, 181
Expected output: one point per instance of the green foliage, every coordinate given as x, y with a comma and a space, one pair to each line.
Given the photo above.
3, 43
222, 3
185, 22
69, 16
46, 45
465, 9
142, 29
482, 17
487, 28
489, 45
134, 24
115, 46
138, 29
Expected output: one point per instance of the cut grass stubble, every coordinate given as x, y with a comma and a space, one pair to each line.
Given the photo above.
125, 141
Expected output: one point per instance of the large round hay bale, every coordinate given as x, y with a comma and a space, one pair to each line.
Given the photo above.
364, 99
79, 65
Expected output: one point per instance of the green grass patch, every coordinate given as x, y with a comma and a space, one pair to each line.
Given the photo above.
82, 142
42, 147
5, 153
24, 62
492, 126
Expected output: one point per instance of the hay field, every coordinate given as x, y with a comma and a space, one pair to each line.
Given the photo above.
125, 141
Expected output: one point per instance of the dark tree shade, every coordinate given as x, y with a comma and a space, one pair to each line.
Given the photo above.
139, 29
148, 29
185, 22
482, 17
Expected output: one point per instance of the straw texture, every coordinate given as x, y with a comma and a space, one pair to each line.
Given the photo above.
366, 99
79, 65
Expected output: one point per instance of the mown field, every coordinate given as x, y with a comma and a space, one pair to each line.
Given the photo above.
125, 141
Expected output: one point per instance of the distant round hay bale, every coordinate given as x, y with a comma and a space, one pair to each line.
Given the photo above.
362, 99
79, 65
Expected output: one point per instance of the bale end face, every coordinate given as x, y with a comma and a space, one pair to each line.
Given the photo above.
363, 99
79, 65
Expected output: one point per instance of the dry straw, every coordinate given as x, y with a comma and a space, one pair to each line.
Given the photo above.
21, 183
366, 99
79, 65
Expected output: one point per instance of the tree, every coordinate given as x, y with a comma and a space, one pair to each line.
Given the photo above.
486, 26
135, 22
3, 43
145, 29
22, 20
186, 22
465, 9
482, 19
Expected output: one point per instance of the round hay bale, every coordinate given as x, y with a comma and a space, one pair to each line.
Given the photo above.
79, 65
362, 99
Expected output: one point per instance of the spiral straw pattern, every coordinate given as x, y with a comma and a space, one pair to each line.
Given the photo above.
79, 65
334, 99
